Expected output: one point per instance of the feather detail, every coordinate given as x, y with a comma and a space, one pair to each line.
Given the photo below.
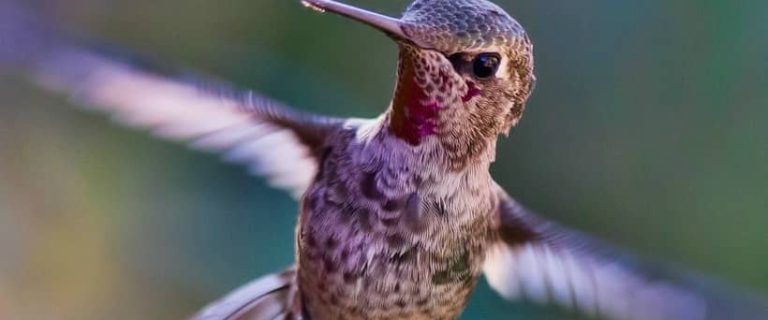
540, 261
247, 128
266, 298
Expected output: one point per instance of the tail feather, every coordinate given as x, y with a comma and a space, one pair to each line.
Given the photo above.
266, 298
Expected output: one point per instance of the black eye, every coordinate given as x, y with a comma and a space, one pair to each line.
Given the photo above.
485, 65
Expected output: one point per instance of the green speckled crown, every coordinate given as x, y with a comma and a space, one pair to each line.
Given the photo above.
461, 25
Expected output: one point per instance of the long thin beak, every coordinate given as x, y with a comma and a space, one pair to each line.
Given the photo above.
389, 25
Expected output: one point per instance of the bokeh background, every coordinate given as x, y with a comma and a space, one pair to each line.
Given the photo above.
647, 129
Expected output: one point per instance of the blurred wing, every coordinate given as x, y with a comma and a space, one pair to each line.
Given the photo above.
265, 298
245, 127
543, 262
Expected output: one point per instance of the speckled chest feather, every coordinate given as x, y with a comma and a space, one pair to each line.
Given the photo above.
383, 236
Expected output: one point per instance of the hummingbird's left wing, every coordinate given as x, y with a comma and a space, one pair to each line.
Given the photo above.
245, 127
541, 261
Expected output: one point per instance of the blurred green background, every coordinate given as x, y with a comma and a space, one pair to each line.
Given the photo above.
647, 129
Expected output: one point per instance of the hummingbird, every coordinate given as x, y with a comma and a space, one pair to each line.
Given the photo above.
399, 215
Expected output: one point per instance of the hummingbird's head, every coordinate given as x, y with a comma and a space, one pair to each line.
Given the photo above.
465, 70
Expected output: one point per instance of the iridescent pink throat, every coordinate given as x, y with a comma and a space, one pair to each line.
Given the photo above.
415, 115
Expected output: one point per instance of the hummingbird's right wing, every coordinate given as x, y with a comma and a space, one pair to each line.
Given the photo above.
245, 127
541, 261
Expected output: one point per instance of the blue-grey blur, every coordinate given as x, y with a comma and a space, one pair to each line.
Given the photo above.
647, 129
